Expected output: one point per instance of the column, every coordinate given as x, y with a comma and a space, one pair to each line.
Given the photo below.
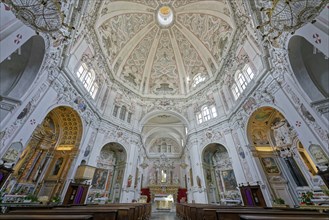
199, 193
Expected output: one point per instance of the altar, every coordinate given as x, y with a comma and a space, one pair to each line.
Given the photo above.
163, 197
163, 201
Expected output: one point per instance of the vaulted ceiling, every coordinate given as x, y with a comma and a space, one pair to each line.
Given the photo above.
165, 47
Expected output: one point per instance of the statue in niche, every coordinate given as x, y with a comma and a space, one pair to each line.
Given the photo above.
282, 132
57, 166
176, 180
152, 179
198, 180
163, 176
129, 181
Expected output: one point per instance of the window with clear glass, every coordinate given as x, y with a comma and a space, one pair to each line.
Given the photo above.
198, 79
199, 117
249, 72
123, 113
93, 90
129, 117
242, 81
115, 111
87, 77
213, 111
235, 91
81, 72
206, 113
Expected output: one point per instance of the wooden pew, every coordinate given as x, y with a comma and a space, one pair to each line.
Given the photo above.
234, 214
282, 217
141, 210
131, 213
48, 217
97, 214
126, 211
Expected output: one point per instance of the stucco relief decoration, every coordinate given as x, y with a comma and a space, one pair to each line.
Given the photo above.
7, 132
221, 159
264, 97
249, 105
259, 137
242, 156
270, 165
134, 67
212, 31
282, 132
81, 105
13, 152
170, 145
321, 132
212, 135
321, 159
142, 47
118, 30
164, 75
192, 61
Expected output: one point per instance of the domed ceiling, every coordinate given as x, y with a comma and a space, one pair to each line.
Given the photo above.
165, 47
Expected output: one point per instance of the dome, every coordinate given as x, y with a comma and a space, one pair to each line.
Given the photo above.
171, 48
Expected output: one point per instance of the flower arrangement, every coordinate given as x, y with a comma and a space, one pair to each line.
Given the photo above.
32, 198
279, 201
55, 199
305, 199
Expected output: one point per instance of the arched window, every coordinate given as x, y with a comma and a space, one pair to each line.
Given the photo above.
115, 111
241, 81
206, 113
129, 117
235, 91
198, 79
88, 78
123, 113
213, 111
249, 73
199, 117
242, 78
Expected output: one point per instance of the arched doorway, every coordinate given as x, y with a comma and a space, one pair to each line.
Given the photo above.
286, 164
108, 178
219, 175
45, 162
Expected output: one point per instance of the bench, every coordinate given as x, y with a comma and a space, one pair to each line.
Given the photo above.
97, 214
282, 217
48, 217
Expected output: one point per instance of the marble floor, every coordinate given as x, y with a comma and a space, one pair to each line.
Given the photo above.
164, 216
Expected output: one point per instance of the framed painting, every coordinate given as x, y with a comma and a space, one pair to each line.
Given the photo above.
270, 165
99, 179
229, 180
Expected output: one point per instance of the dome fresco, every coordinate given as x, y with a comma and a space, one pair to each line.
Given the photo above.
170, 48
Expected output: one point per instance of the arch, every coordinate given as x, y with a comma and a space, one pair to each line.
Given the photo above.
19, 71
109, 174
47, 158
310, 69
218, 174
152, 114
284, 163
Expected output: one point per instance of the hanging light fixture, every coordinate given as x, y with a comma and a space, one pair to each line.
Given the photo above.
287, 16
44, 16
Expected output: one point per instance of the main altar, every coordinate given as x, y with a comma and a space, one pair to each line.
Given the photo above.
163, 196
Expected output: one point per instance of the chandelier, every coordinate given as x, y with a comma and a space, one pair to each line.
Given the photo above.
287, 16
44, 16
